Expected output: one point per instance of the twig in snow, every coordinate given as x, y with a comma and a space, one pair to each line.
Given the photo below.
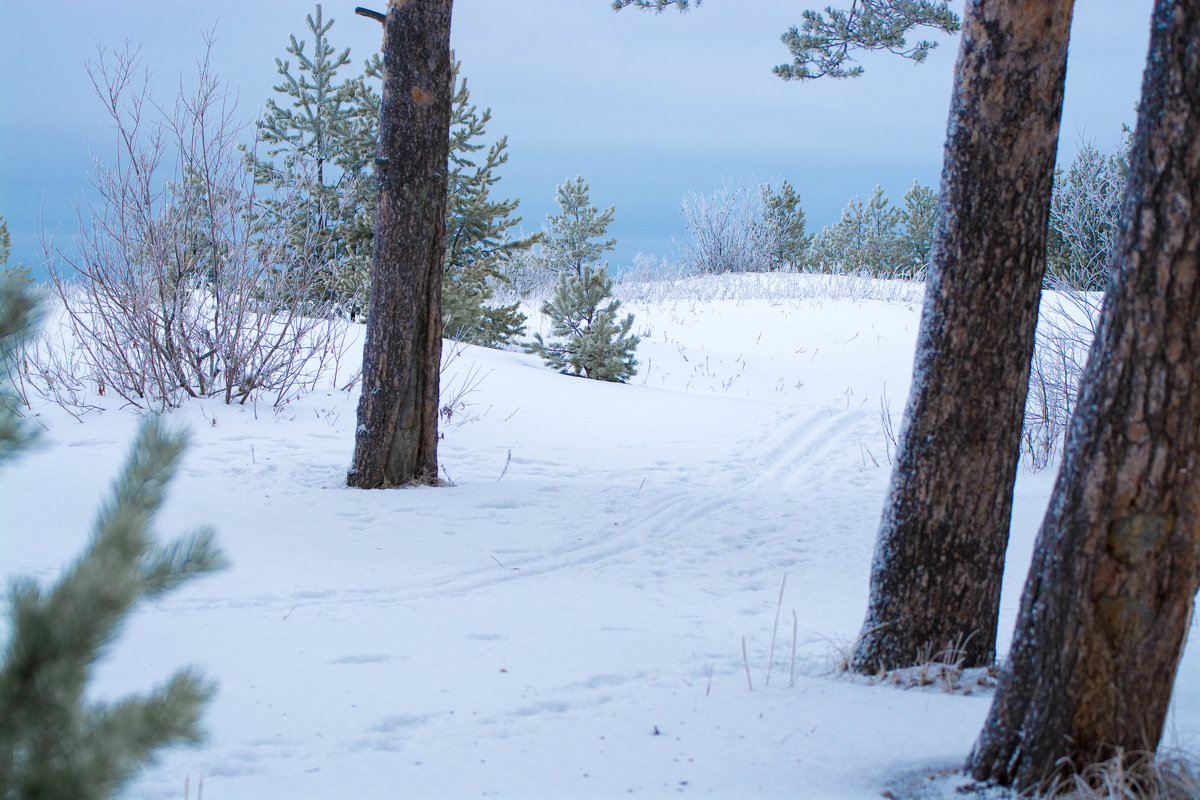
746, 663
792, 672
775, 629
508, 461
869, 454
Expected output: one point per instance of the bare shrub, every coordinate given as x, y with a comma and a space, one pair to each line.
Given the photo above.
1084, 214
1066, 330
171, 289
723, 232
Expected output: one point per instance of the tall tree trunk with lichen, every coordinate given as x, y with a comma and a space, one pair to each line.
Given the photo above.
396, 438
940, 553
1110, 593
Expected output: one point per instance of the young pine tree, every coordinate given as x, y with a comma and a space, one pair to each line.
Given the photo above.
53, 743
320, 159
591, 340
864, 241
571, 243
916, 230
322, 144
782, 228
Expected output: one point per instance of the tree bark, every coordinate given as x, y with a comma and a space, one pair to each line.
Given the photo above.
939, 557
1106, 608
396, 440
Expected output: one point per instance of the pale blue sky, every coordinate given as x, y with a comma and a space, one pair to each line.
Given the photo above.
645, 107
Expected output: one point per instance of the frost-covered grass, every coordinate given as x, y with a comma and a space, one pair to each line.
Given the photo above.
567, 619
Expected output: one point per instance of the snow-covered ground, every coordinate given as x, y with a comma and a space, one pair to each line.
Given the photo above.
567, 617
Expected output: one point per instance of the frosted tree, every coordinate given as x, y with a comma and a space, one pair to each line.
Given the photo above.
726, 231
53, 742
916, 231
5, 243
1083, 220
5, 249
866, 240
479, 240
575, 237
781, 229
324, 139
592, 342
320, 145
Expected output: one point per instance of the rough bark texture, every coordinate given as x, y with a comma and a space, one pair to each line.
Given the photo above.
396, 440
1107, 604
940, 552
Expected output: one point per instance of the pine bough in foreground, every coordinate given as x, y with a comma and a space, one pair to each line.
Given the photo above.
54, 744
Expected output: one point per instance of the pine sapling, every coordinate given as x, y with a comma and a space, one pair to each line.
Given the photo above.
593, 343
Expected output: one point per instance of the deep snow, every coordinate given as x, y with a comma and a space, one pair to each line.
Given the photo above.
566, 618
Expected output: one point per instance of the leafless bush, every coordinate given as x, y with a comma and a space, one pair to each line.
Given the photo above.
1084, 214
1067, 327
50, 365
723, 234
171, 290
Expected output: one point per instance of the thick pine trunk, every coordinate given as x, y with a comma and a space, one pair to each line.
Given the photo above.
396, 439
940, 552
1107, 604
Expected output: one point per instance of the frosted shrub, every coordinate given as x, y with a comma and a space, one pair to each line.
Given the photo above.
723, 232
172, 290
1084, 211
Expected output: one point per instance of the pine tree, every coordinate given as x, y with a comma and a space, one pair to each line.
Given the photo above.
321, 148
782, 228
5, 243
52, 742
596, 345
823, 46
866, 240
396, 438
916, 230
569, 243
478, 240
327, 139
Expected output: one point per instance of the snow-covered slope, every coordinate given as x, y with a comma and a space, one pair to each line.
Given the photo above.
567, 617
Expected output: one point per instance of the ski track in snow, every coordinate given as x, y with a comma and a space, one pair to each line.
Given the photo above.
567, 619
